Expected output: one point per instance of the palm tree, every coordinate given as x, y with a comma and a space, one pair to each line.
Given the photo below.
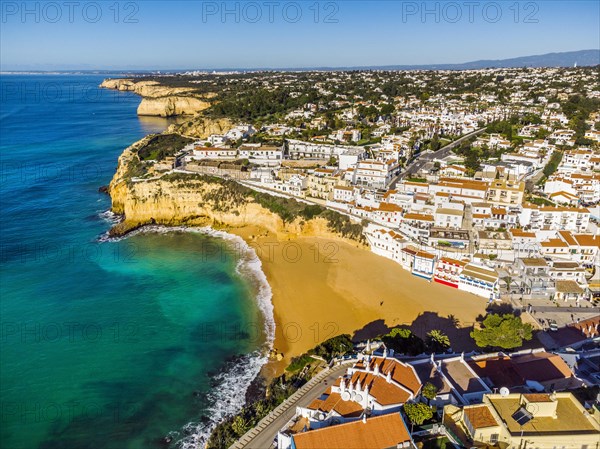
508, 280
437, 341
453, 320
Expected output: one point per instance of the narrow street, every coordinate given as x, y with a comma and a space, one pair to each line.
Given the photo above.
443, 152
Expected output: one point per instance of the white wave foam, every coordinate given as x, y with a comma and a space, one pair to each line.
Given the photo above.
229, 395
227, 398
110, 217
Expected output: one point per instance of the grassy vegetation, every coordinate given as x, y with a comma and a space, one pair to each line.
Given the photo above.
162, 146
280, 388
135, 169
538, 200
299, 362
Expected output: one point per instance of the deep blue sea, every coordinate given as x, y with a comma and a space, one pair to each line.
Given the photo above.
107, 344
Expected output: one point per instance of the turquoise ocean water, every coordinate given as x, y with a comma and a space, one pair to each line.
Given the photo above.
108, 344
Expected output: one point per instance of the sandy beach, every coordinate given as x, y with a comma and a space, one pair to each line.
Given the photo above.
322, 288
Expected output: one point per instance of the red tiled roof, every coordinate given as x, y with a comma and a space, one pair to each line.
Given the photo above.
380, 432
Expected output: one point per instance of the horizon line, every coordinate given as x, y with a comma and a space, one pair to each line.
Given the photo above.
390, 66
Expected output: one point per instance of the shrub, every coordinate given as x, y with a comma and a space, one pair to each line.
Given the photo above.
297, 363
163, 145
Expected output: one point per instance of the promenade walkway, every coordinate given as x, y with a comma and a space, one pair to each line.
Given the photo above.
263, 435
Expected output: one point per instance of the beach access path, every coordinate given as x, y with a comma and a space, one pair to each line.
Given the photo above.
263, 435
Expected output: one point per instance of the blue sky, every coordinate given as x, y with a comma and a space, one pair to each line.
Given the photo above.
213, 34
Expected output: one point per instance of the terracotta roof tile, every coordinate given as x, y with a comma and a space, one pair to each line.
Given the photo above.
377, 433
480, 417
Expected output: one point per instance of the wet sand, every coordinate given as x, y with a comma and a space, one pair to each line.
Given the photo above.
322, 288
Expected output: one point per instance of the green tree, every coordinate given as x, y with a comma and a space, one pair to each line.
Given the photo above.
387, 109
472, 163
429, 391
437, 341
333, 347
502, 331
404, 341
435, 142
553, 163
418, 412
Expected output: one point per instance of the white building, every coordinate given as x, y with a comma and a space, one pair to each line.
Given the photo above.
261, 154
380, 384
554, 218
479, 280
351, 157
200, 152
446, 217
375, 174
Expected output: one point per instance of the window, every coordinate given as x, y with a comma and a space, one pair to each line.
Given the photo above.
494, 438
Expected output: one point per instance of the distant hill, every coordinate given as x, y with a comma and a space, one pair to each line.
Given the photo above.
583, 58
564, 59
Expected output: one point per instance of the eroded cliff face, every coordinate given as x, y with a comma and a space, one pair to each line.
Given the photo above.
201, 127
158, 100
148, 89
171, 106
194, 202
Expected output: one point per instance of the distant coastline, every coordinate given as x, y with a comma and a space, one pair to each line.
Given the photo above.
588, 57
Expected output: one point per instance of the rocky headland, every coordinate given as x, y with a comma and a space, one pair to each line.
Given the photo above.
176, 199
159, 100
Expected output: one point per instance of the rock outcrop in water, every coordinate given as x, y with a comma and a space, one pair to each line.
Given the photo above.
158, 100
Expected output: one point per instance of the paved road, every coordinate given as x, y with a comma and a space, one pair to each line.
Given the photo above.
439, 154
263, 435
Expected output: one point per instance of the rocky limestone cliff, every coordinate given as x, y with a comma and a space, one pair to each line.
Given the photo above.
171, 106
201, 127
182, 200
158, 100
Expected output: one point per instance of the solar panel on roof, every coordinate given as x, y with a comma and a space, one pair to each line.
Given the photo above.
522, 416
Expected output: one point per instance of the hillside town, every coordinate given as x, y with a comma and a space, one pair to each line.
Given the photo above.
490, 185
495, 194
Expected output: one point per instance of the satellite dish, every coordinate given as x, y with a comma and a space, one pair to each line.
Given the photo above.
504, 392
